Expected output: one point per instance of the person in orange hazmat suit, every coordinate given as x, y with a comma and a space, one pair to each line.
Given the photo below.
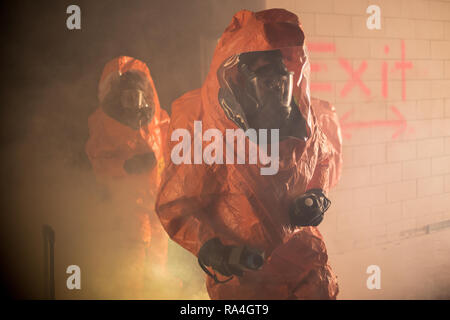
255, 235
126, 152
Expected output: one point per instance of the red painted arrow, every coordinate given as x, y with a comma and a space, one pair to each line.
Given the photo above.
399, 123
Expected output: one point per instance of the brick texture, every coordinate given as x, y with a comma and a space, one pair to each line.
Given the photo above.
395, 83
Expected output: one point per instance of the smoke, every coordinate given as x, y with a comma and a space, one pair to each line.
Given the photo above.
50, 88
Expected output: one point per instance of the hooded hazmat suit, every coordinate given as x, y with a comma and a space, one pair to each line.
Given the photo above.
234, 202
131, 195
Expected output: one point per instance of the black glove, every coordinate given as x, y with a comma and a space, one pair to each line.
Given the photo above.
309, 208
228, 260
140, 163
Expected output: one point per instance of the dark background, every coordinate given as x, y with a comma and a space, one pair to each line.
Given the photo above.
49, 88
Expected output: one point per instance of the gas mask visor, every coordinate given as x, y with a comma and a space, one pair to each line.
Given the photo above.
133, 99
134, 104
269, 83
261, 79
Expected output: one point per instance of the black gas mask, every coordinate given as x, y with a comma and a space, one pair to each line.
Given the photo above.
129, 100
136, 110
257, 86
267, 83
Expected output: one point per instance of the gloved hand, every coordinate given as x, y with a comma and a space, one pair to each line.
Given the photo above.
309, 208
140, 163
228, 260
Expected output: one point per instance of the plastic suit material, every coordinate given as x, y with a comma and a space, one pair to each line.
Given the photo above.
132, 195
235, 203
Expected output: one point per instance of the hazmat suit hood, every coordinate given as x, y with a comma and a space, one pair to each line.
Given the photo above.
259, 31
116, 68
110, 139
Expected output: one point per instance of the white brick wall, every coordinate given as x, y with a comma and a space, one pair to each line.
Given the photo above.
388, 184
